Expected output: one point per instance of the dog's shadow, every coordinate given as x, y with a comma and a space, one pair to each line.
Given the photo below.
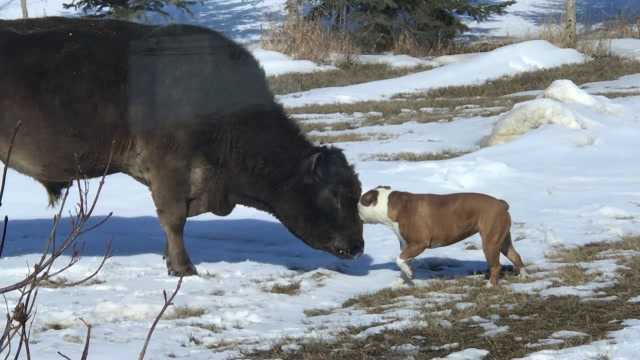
447, 268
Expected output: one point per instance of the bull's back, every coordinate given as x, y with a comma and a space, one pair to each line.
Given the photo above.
78, 85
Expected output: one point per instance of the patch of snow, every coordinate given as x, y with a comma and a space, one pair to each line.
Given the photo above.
406, 349
566, 334
634, 300
467, 354
394, 61
275, 63
623, 345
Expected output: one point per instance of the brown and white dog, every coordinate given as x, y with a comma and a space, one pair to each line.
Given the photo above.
424, 221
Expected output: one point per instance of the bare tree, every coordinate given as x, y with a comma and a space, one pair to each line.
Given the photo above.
17, 327
25, 11
570, 33
17, 323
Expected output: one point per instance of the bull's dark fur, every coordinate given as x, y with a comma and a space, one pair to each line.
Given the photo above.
184, 110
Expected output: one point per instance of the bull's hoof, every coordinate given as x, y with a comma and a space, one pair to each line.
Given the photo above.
188, 270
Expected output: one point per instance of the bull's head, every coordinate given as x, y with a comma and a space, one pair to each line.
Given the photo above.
321, 204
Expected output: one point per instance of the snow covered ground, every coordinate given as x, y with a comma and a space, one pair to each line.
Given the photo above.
567, 183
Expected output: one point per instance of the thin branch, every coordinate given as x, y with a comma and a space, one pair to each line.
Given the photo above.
6, 163
167, 303
64, 356
106, 256
4, 234
85, 352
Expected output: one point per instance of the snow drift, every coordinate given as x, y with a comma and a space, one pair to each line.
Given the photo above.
554, 107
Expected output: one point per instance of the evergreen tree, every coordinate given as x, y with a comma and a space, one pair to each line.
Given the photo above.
377, 24
126, 9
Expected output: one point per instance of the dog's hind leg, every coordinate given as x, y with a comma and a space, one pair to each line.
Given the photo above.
510, 252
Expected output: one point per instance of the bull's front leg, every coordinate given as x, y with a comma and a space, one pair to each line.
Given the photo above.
170, 191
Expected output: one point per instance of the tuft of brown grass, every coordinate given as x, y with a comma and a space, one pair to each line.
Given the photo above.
184, 312
317, 312
210, 327
321, 126
56, 326
574, 275
62, 282
409, 156
354, 74
591, 252
348, 137
291, 289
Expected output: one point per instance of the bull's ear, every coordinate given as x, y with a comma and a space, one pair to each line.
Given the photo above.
311, 167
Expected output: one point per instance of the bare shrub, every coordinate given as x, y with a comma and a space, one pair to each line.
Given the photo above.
310, 40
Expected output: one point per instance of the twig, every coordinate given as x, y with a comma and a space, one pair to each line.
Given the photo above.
167, 303
106, 256
64, 356
6, 163
85, 352
4, 234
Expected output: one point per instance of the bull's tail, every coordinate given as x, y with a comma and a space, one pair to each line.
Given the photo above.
54, 190
506, 205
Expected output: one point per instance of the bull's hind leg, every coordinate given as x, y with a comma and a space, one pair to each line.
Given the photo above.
170, 191
510, 252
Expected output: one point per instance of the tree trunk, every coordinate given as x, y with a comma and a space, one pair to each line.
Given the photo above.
292, 10
25, 12
570, 23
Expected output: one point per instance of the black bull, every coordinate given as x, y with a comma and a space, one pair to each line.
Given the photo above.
182, 110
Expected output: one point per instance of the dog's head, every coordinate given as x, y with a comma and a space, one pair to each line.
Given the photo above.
372, 206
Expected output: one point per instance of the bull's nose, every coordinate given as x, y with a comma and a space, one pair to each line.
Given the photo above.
348, 251
357, 250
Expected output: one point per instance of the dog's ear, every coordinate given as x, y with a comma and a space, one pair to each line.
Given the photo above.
370, 198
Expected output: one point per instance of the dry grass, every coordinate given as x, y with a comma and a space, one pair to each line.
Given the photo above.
210, 327
309, 40
56, 326
291, 289
317, 312
592, 251
322, 126
348, 75
409, 156
418, 108
529, 317
598, 69
489, 98
184, 312
62, 282
574, 275
348, 137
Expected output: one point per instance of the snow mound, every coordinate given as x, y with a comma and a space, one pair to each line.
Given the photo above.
560, 104
567, 92
394, 61
531, 115
275, 63
505, 61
